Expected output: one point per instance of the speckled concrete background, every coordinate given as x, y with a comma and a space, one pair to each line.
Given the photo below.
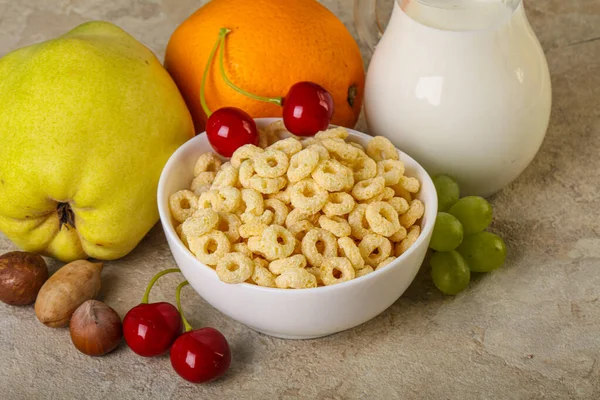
528, 331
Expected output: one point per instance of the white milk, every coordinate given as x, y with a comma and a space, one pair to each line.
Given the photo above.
463, 88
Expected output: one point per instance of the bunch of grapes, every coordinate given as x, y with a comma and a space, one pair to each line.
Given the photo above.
460, 243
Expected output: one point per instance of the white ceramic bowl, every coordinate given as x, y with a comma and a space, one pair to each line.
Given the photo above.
289, 313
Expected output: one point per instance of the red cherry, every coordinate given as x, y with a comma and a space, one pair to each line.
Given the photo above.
201, 355
150, 329
230, 128
307, 109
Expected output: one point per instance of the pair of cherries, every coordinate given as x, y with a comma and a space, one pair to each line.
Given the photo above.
151, 329
307, 109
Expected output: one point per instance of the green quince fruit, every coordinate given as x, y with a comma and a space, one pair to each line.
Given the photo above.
87, 122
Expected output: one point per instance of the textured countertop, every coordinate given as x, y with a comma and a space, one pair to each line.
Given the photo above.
528, 331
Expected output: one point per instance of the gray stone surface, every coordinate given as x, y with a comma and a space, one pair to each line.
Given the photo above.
528, 331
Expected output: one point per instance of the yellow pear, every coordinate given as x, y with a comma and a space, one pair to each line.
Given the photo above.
87, 122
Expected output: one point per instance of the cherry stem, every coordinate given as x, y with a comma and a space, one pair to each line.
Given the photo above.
205, 75
153, 281
186, 324
275, 100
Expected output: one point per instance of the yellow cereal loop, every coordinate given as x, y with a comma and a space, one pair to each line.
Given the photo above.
206, 177
296, 278
415, 211
201, 222
318, 244
368, 188
242, 248
401, 192
262, 276
391, 170
235, 268
207, 162
289, 146
279, 210
332, 175
267, 185
338, 133
277, 131
411, 238
380, 148
399, 235
278, 266
382, 218
339, 203
321, 150
365, 271
308, 196
271, 163
246, 172
400, 205
277, 243
265, 218
299, 229
183, 204
256, 229
228, 200
295, 216
336, 225
364, 168
263, 138
255, 245
336, 270
210, 247
358, 221
229, 224
374, 249
302, 164
226, 177
246, 152
316, 271
347, 248
283, 196
385, 262
340, 150
411, 185
357, 146
252, 202
179, 231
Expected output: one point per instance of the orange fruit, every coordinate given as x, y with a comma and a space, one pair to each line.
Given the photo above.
272, 45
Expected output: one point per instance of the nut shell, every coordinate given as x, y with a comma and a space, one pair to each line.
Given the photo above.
96, 329
22, 275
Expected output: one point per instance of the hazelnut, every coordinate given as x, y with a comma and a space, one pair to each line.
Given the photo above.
21, 277
95, 328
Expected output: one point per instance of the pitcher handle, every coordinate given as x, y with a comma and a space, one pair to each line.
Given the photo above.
367, 22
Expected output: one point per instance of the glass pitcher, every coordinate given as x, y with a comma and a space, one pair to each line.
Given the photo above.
461, 85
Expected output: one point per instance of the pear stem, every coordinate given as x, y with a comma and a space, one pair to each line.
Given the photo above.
205, 75
274, 100
153, 281
186, 324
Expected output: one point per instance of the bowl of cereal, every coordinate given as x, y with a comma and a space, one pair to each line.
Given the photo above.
298, 238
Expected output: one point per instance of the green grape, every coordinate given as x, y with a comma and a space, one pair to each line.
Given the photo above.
450, 272
483, 251
473, 212
447, 191
447, 233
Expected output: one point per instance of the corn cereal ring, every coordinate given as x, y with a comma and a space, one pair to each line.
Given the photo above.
321, 150
278, 130
341, 150
230, 225
400, 205
411, 185
364, 168
179, 231
278, 266
208, 199
415, 211
368, 188
279, 209
295, 216
265, 218
380, 148
283, 196
302, 164
338, 132
263, 138
210, 247
332, 175
411, 238
339, 203
246, 152
255, 245
336, 225
226, 177
267, 185
399, 235
299, 229
373, 199
385, 262
199, 188
271, 163
262, 276
336, 270
308, 196
242, 248
261, 262
277, 242
374, 249
357, 146
207, 162
391, 170
245, 173
347, 248
229, 200
183, 204
201, 222
358, 221
316, 271
388, 193
382, 218
255, 229
203, 178
289, 146
235, 268
365, 271
401, 192
252, 202
296, 278
318, 244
